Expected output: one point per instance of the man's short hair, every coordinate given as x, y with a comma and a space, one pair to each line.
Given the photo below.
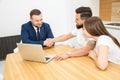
35, 12
85, 12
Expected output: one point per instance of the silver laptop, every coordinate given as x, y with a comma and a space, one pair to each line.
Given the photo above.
33, 52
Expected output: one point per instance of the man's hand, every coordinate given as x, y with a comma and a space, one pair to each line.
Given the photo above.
48, 42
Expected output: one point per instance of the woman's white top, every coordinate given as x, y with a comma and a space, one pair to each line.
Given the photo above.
114, 50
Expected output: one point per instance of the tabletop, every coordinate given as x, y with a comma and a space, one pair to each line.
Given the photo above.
77, 68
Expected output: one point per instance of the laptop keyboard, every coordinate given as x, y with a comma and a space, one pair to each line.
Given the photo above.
47, 58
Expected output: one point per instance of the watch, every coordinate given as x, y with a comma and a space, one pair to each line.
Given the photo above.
69, 54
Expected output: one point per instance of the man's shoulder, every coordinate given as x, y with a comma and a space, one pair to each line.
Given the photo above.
27, 23
45, 24
76, 31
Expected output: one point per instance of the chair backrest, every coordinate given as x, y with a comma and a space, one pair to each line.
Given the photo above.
16, 49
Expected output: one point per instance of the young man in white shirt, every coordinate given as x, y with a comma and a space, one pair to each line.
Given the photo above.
85, 45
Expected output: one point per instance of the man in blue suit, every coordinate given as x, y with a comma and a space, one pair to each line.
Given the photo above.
36, 31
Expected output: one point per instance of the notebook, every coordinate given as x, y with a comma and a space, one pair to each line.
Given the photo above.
33, 52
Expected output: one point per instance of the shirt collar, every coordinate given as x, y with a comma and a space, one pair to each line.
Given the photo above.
35, 28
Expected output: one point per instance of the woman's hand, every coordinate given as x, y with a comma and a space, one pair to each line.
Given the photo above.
92, 54
61, 57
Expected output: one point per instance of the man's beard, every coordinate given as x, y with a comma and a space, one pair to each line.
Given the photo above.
79, 26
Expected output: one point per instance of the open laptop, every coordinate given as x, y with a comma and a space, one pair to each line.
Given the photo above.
33, 52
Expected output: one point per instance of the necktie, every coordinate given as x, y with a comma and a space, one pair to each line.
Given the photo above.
38, 34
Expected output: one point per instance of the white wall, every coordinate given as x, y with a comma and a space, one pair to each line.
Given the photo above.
58, 13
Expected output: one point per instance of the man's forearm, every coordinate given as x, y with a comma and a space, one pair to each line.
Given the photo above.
81, 52
63, 37
85, 50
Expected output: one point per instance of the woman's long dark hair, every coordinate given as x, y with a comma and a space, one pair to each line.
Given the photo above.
95, 27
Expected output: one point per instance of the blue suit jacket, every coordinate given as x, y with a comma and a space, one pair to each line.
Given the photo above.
28, 33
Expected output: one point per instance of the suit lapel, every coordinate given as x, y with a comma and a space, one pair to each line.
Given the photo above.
42, 33
33, 32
